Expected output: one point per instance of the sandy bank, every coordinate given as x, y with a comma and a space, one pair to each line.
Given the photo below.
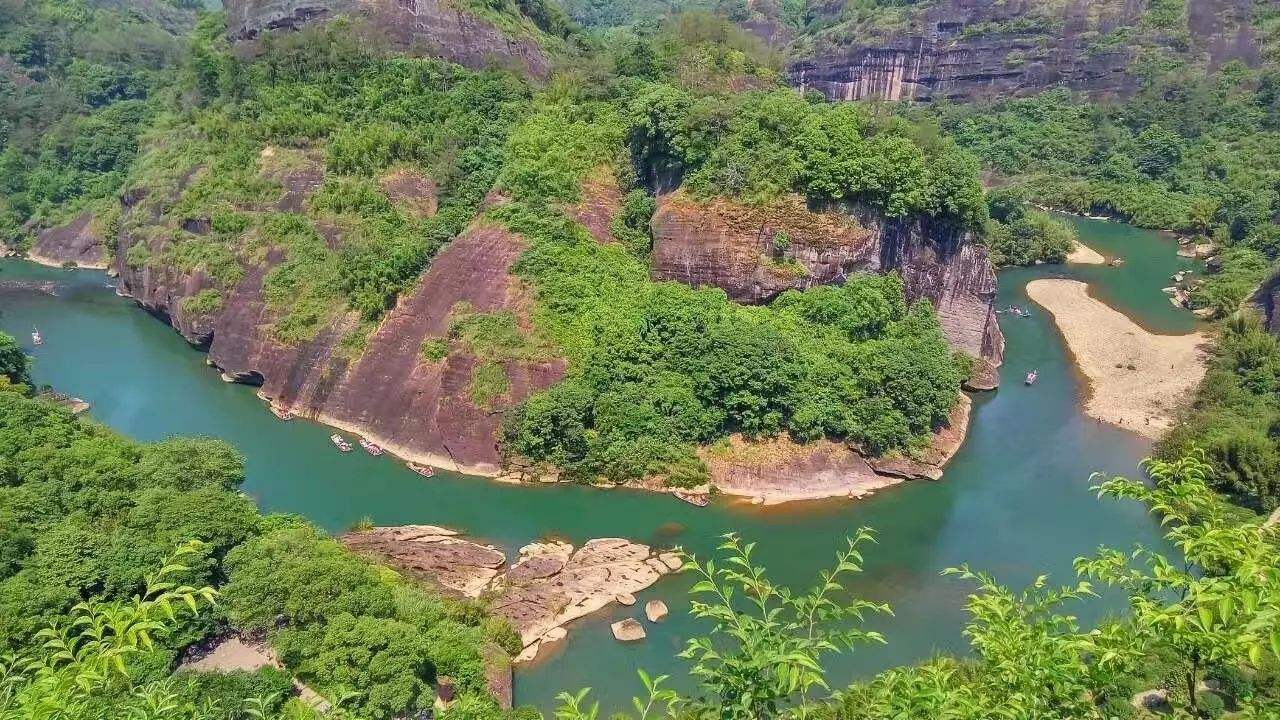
1085, 255
779, 470
35, 257
1137, 379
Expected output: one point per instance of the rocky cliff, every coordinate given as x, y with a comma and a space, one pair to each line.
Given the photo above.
78, 243
432, 28
969, 49
756, 253
391, 393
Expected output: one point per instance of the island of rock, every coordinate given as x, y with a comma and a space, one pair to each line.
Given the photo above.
549, 585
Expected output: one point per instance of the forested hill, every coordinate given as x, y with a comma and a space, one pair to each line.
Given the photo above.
77, 86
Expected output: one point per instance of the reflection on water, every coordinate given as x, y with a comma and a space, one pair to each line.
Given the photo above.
1014, 502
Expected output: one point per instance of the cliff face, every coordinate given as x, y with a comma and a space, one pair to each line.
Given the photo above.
737, 248
970, 49
415, 407
433, 28
77, 242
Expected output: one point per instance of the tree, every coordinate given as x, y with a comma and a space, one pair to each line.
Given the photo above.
766, 646
1217, 604
81, 671
15, 365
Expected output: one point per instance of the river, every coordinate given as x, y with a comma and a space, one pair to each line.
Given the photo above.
1015, 501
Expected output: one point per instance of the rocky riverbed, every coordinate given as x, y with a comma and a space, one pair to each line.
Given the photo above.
549, 585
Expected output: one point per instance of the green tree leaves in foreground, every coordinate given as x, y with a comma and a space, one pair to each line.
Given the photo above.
81, 668
1211, 611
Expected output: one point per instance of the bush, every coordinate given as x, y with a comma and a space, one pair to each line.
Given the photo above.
1118, 708
1211, 705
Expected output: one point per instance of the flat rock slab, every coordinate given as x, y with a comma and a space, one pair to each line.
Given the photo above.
550, 584
629, 630
435, 553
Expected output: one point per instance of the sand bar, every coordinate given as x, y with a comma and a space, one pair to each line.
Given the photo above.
1137, 379
1085, 255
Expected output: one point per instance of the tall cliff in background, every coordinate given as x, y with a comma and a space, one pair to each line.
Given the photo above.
737, 248
964, 50
431, 28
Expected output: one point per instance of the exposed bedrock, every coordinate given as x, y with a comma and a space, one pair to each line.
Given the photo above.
78, 242
967, 49
756, 253
549, 585
432, 28
416, 408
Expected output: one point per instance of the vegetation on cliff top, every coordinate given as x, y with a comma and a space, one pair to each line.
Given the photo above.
219, 184
658, 368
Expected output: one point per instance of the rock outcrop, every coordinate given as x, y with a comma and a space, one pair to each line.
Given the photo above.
431, 28
418, 409
78, 243
962, 50
779, 470
754, 254
549, 585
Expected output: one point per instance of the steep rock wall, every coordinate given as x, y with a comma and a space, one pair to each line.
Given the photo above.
418, 409
735, 248
433, 28
970, 49
77, 242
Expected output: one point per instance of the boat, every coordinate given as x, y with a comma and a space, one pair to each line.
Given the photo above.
1031, 377
282, 413
36, 338
423, 470
370, 447
695, 499
340, 442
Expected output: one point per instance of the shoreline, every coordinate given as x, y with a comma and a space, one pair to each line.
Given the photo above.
1084, 255
1128, 384
38, 259
856, 482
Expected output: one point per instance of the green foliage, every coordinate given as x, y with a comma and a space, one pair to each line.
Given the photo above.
1215, 604
79, 668
1021, 236
1242, 270
205, 302
435, 349
1234, 413
79, 89
15, 364
231, 695
766, 644
659, 367
85, 515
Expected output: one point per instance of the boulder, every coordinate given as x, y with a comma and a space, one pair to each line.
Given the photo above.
625, 599
628, 630
655, 610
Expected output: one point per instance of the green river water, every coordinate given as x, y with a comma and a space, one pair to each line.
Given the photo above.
1014, 502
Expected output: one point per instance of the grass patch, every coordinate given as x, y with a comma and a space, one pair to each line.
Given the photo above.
488, 383
435, 349
205, 302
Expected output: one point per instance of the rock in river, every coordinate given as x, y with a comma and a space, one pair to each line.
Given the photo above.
628, 630
550, 584
655, 610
